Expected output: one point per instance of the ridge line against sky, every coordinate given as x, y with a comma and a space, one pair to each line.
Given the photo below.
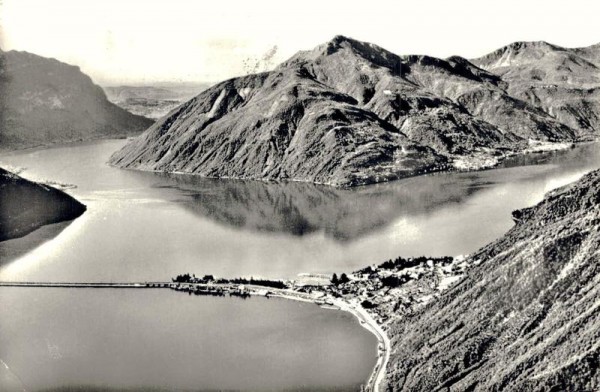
138, 42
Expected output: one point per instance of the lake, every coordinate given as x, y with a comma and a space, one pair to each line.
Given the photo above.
153, 226
111, 339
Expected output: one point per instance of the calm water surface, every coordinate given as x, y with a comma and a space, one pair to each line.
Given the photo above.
114, 339
145, 226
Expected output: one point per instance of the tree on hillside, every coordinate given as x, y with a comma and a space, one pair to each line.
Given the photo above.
334, 279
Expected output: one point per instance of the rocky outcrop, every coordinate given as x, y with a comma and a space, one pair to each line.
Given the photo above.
527, 317
44, 101
26, 206
563, 82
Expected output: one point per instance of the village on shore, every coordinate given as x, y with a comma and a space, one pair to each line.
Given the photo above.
376, 295
386, 291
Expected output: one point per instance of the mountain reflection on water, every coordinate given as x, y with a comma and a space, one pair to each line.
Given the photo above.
300, 208
21, 246
345, 214
149, 226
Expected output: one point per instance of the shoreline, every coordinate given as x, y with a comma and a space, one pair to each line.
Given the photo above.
46, 205
364, 318
8, 151
367, 322
353, 307
474, 162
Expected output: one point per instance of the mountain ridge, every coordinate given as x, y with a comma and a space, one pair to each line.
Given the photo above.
45, 101
563, 82
378, 105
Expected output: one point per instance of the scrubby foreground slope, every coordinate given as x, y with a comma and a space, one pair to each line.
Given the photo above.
528, 315
44, 101
26, 206
346, 113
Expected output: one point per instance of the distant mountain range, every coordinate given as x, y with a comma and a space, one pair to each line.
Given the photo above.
44, 101
527, 316
351, 113
153, 101
25, 206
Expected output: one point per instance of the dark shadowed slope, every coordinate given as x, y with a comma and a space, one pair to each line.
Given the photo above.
26, 206
345, 113
527, 317
563, 82
44, 101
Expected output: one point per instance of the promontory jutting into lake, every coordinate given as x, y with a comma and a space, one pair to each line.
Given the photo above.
350, 219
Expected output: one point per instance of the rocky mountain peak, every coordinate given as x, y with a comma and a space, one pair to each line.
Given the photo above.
350, 49
339, 39
528, 45
517, 53
344, 113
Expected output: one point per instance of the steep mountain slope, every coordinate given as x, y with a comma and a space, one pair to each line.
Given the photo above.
26, 206
527, 317
346, 113
278, 125
44, 101
590, 53
564, 82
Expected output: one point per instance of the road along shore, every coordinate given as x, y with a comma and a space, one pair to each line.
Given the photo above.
367, 322
352, 307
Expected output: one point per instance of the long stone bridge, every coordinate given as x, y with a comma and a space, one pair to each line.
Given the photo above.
121, 285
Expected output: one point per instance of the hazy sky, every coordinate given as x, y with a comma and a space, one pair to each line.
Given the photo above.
137, 41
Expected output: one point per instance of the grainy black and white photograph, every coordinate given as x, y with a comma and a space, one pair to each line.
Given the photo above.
327, 196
